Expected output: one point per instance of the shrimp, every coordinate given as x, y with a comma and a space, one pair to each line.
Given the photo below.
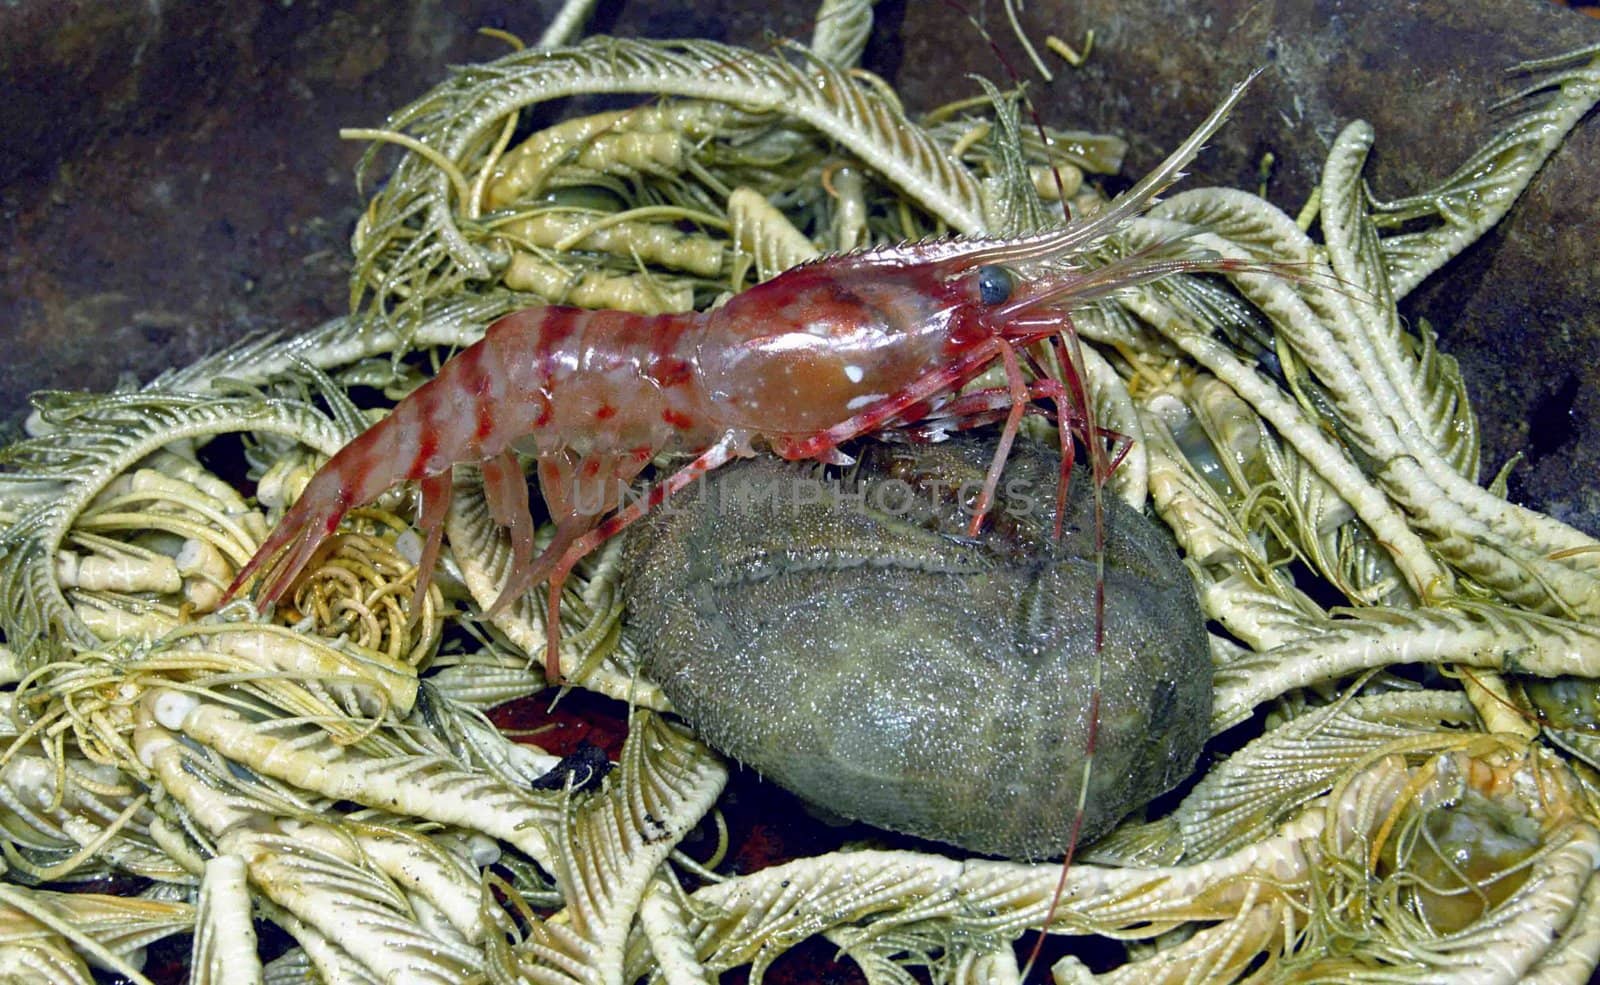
826, 352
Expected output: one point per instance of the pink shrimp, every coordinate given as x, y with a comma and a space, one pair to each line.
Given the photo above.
824, 353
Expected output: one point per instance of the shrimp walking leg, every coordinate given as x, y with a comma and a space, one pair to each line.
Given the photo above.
709, 460
436, 493
881, 413
559, 480
1018, 390
505, 489
577, 533
1093, 433
976, 408
552, 567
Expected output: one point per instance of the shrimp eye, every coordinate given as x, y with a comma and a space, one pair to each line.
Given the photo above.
994, 284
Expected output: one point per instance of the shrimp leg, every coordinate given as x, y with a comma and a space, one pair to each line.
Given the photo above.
1018, 389
505, 489
930, 385
877, 415
714, 457
507, 493
975, 409
991, 405
552, 567
436, 492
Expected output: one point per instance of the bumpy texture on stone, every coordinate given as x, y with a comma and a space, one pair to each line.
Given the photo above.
845, 637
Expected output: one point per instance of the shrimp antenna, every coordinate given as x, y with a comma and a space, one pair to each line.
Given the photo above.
1143, 267
1078, 235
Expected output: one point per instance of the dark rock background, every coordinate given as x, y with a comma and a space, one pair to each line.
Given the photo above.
171, 176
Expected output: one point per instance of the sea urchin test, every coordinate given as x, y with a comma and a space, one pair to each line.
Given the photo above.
845, 637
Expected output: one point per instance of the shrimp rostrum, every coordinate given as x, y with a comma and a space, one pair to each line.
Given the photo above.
829, 351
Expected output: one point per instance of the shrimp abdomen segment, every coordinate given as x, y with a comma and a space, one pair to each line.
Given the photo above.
626, 391
613, 382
